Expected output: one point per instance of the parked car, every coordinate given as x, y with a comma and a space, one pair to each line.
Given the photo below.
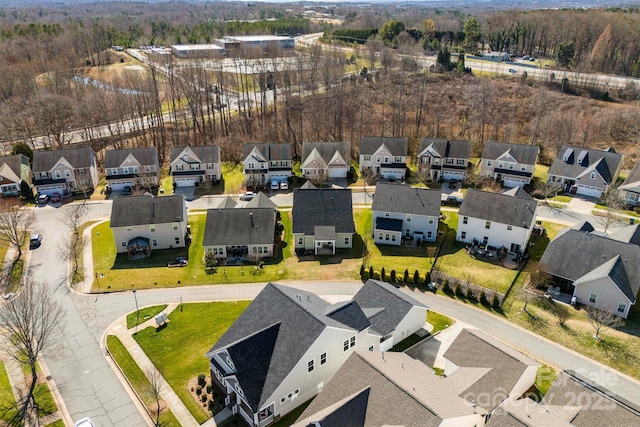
284, 185
126, 191
85, 422
453, 183
450, 200
275, 185
43, 199
9, 295
513, 71
247, 196
35, 241
179, 262
55, 197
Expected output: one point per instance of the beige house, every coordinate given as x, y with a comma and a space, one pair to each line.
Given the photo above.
325, 160
265, 163
13, 170
511, 164
132, 167
65, 171
192, 166
386, 157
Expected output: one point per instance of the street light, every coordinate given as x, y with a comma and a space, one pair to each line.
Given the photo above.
137, 310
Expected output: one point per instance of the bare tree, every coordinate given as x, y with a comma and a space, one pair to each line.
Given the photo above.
600, 320
70, 250
29, 323
547, 189
15, 224
613, 201
474, 177
421, 177
155, 381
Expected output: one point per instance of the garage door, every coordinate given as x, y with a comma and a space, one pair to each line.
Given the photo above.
589, 191
185, 182
49, 190
119, 186
510, 182
452, 175
338, 173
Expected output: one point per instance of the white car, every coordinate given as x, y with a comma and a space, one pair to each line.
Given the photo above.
275, 185
85, 422
247, 196
512, 71
284, 185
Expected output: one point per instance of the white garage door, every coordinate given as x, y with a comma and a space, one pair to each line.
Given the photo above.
588, 191
185, 182
49, 190
338, 173
452, 175
119, 186
510, 182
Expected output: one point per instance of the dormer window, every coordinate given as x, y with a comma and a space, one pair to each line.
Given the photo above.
567, 155
185, 157
593, 175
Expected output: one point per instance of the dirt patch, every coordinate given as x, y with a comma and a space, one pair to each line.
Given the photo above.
207, 396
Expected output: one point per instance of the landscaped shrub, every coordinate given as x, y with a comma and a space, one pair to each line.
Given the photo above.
361, 270
383, 275
212, 405
495, 302
458, 291
470, 294
446, 288
406, 276
393, 276
416, 277
483, 299
204, 398
209, 388
427, 278
202, 380
198, 390
371, 272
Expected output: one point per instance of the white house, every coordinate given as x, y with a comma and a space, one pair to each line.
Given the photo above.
511, 164
630, 188
325, 160
585, 171
385, 156
65, 171
265, 163
401, 212
444, 158
287, 345
191, 166
497, 219
132, 167
144, 223
13, 170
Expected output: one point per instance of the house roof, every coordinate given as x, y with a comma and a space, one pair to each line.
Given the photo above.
517, 192
497, 207
525, 154
261, 200
313, 207
445, 148
574, 162
577, 254
628, 234
227, 203
502, 367
45, 160
384, 305
300, 317
396, 146
13, 168
144, 156
308, 186
348, 313
326, 150
526, 413
610, 410
632, 182
368, 381
204, 153
239, 227
269, 150
147, 209
402, 198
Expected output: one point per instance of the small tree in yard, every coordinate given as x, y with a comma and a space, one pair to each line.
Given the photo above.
406, 276
72, 218
155, 381
383, 275
210, 262
600, 320
547, 189
15, 224
416, 277
613, 201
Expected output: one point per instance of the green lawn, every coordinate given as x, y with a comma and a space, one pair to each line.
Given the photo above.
6, 395
540, 172
44, 400
188, 336
439, 321
137, 379
146, 313
59, 423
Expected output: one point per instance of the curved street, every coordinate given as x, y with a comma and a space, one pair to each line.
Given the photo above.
89, 386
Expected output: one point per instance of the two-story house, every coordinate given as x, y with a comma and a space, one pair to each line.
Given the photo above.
386, 157
132, 167
585, 171
65, 171
322, 220
502, 220
13, 170
325, 160
288, 344
265, 163
401, 212
512, 164
630, 188
144, 223
191, 166
443, 158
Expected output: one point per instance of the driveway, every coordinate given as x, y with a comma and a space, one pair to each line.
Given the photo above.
581, 205
187, 192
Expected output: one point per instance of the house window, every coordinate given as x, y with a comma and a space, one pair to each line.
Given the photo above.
621, 307
593, 297
386, 159
114, 171
323, 358
125, 170
398, 159
429, 234
154, 242
371, 348
449, 161
300, 240
386, 214
465, 219
489, 163
135, 169
123, 244
58, 176
67, 173
523, 168
179, 167
386, 236
346, 240
408, 218
353, 341
345, 345
310, 366
129, 228
500, 165
393, 237
463, 235
487, 225
485, 240
252, 166
82, 171
378, 159
367, 158
147, 168
283, 399
460, 162
511, 166
509, 227
436, 161
289, 396
593, 175
152, 228
430, 220
175, 227
379, 236
177, 240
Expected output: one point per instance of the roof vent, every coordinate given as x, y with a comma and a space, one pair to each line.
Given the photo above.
299, 297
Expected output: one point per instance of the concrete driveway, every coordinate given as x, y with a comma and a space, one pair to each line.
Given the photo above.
581, 205
187, 192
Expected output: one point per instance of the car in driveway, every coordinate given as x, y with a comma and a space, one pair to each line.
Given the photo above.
35, 241
85, 422
284, 185
126, 191
247, 196
42, 199
55, 197
449, 200
453, 183
275, 185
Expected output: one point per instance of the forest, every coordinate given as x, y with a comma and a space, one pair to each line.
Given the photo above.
47, 56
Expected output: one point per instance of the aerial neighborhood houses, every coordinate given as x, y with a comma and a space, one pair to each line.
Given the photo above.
401, 212
271, 361
511, 164
193, 166
144, 223
385, 157
325, 160
266, 163
585, 171
13, 170
132, 168
630, 188
444, 159
64, 171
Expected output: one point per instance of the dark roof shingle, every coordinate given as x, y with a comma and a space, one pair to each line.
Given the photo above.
147, 209
447, 148
525, 154
605, 162
497, 207
325, 207
144, 156
403, 198
397, 146
45, 160
239, 227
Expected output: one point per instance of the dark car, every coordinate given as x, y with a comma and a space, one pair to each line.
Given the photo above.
55, 197
43, 199
126, 191
453, 183
35, 241
451, 201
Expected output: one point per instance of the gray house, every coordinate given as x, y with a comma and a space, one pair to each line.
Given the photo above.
512, 164
325, 160
630, 188
13, 170
385, 156
65, 171
132, 167
401, 212
191, 166
444, 158
265, 163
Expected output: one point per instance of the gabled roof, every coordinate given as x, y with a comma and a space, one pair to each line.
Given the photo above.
227, 203
384, 305
574, 162
445, 148
574, 254
239, 227
392, 389
517, 192
147, 209
204, 153
301, 317
628, 234
11, 167
632, 182
526, 413
308, 186
350, 314
45, 160
396, 146
261, 200
325, 207
504, 366
612, 269
269, 151
402, 198
144, 156
326, 150
497, 207
524, 154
